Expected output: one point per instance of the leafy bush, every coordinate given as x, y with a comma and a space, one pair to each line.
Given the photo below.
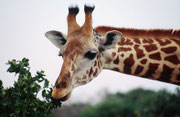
20, 100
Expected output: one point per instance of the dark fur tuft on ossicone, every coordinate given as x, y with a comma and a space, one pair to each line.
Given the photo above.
73, 10
88, 8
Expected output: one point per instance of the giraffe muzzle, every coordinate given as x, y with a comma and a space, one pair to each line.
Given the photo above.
62, 98
61, 95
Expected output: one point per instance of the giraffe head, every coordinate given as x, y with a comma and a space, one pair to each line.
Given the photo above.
82, 50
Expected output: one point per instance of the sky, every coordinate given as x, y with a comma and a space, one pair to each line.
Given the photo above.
24, 23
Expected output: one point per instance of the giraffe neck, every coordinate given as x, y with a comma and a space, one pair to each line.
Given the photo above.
153, 57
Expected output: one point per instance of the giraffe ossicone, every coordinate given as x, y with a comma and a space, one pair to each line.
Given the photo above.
153, 54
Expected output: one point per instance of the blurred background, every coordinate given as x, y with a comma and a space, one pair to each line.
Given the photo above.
24, 23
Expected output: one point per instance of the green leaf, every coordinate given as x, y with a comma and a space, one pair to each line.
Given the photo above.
17, 110
27, 100
26, 62
44, 93
46, 83
1, 85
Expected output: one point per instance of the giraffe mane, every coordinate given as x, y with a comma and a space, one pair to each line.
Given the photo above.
132, 32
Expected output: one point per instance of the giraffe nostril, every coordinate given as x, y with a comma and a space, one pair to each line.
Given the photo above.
61, 85
64, 82
58, 86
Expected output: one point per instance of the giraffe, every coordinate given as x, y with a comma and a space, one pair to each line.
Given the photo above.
152, 54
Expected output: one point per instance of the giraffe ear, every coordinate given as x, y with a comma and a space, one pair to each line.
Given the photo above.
111, 39
57, 38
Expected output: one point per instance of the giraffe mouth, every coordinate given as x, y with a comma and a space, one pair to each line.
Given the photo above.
65, 97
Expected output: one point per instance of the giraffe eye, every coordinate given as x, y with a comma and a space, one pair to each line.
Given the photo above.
90, 55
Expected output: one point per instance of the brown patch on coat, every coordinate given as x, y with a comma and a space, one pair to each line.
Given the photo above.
120, 49
90, 72
95, 63
116, 61
177, 41
113, 54
163, 42
143, 61
150, 47
137, 41
147, 40
139, 69
166, 73
151, 70
169, 50
95, 73
116, 69
125, 41
128, 63
155, 56
173, 59
139, 52
101, 49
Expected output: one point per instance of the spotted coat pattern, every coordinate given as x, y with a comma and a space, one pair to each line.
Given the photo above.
154, 58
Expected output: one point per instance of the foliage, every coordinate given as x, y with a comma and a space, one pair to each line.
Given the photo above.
137, 103
20, 100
